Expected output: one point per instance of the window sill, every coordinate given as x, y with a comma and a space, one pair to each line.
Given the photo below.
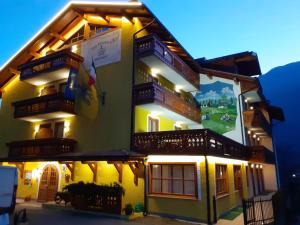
222, 196
172, 196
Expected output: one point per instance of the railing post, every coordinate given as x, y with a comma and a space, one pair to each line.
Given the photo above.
244, 203
262, 211
215, 209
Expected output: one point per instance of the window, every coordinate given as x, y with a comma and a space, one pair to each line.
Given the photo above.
237, 177
173, 179
153, 124
221, 179
59, 129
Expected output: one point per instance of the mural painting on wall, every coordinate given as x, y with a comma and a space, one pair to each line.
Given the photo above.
218, 106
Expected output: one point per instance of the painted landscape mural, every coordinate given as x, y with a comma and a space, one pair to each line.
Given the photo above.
218, 106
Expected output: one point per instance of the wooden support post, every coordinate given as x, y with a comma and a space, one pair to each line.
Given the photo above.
20, 166
94, 167
134, 166
119, 168
71, 168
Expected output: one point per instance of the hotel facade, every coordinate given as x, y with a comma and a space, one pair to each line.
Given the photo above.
105, 93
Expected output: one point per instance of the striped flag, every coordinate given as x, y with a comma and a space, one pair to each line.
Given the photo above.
92, 77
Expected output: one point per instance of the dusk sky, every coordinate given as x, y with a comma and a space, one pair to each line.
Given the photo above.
205, 28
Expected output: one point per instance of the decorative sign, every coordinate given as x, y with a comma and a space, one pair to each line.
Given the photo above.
102, 49
27, 177
218, 106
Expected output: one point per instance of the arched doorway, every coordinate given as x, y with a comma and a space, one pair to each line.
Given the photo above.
48, 184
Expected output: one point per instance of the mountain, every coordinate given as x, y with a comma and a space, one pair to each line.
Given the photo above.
281, 86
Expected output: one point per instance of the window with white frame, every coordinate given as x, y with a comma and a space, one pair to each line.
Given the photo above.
153, 124
173, 179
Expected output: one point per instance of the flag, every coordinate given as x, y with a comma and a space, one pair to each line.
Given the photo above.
92, 77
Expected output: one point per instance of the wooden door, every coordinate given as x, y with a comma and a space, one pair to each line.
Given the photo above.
48, 184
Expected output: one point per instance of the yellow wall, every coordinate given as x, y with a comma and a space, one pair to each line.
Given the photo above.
96, 126
141, 120
197, 208
107, 174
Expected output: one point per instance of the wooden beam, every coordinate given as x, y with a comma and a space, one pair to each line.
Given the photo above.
71, 167
20, 166
35, 54
94, 167
119, 168
134, 166
14, 71
57, 35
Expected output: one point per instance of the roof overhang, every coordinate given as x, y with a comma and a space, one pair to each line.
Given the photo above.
74, 14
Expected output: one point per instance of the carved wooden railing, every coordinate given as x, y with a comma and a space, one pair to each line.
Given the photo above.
151, 45
261, 154
48, 63
255, 118
189, 142
43, 104
154, 93
41, 147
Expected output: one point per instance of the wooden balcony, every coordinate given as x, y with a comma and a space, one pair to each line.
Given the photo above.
156, 54
261, 154
40, 147
153, 96
55, 66
189, 142
254, 119
43, 108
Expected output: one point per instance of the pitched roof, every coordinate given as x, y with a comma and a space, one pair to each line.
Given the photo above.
73, 14
243, 63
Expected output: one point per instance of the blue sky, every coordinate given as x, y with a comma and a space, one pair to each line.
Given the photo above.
206, 28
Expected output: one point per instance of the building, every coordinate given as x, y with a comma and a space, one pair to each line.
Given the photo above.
104, 93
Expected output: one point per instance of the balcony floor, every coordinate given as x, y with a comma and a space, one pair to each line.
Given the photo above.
154, 62
46, 116
165, 112
48, 77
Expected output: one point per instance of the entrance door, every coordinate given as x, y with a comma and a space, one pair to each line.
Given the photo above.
48, 184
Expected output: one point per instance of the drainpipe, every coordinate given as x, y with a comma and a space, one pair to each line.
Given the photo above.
207, 183
145, 188
132, 125
133, 81
207, 191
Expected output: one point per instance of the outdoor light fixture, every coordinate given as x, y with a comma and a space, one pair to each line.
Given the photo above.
74, 48
258, 139
251, 108
178, 88
154, 114
246, 100
257, 166
154, 72
252, 165
254, 136
249, 132
261, 166
36, 128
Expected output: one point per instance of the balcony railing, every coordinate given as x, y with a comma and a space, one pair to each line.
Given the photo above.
189, 142
55, 61
43, 105
261, 154
154, 93
151, 45
41, 147
255, 119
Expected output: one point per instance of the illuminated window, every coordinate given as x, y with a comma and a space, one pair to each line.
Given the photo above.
237, 177
221, 180
173, 179
153, 124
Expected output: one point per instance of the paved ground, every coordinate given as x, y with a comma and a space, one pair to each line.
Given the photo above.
40, 216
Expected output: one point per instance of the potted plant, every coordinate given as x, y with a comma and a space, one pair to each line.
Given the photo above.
128, 209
